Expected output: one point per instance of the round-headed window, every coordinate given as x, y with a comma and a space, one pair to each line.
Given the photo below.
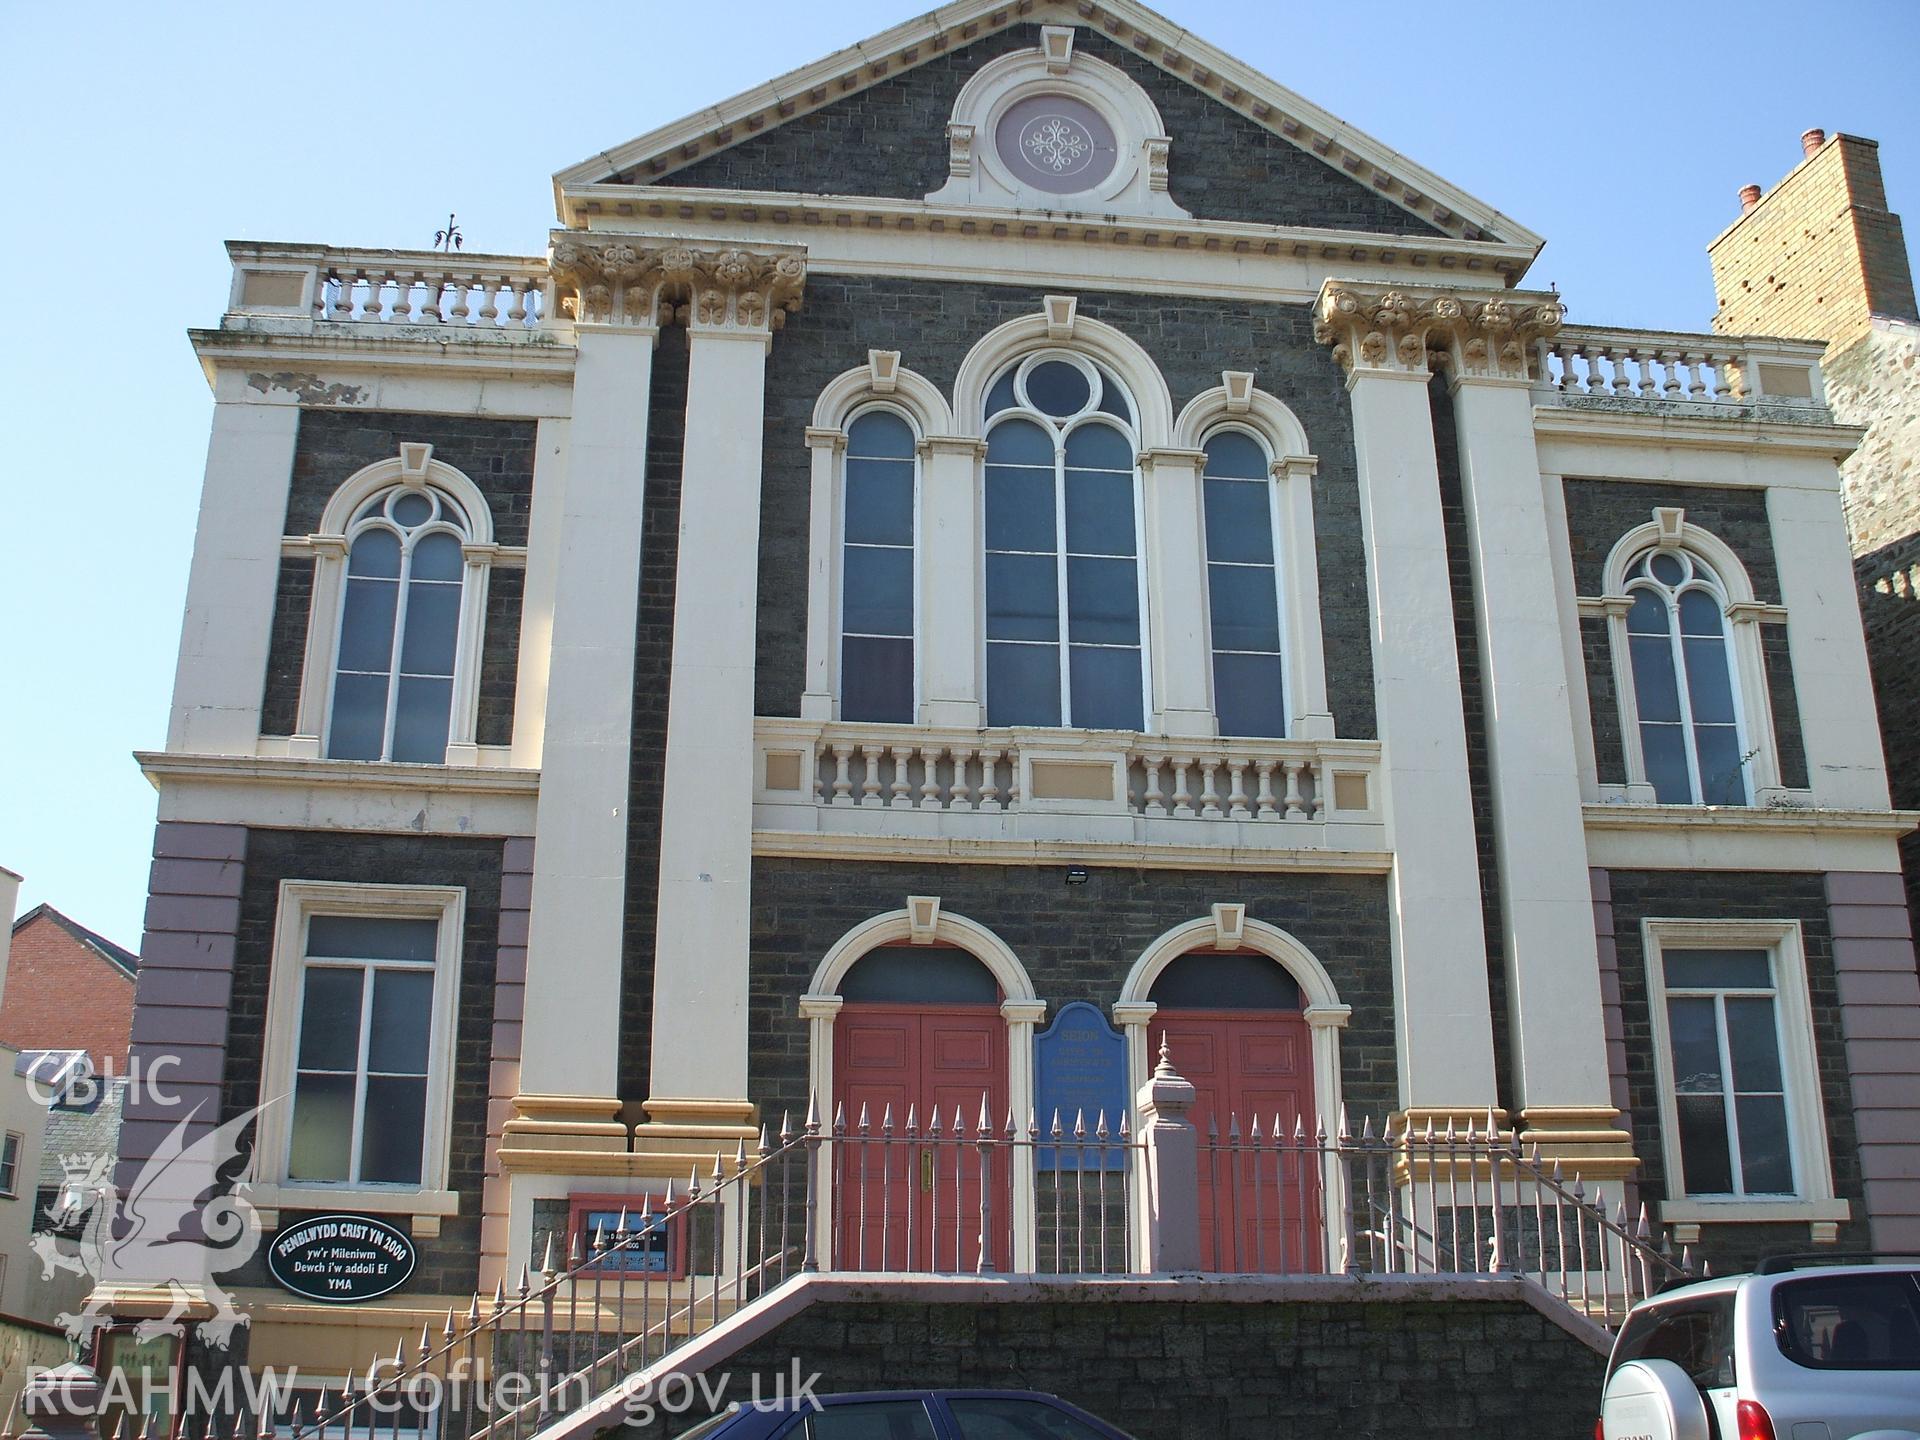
1056, 143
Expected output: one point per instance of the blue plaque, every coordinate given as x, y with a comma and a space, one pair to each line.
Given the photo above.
1079, 1069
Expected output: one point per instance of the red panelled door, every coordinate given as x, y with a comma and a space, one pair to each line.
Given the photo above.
1257, 1212
916, 1206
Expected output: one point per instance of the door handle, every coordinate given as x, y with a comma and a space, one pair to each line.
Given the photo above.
926, 1172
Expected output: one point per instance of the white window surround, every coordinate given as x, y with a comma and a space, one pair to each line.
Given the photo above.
948, 649
1806, 1116
300, 899
11, 1146
1060, 429
1670, 530
1137, 184
412, 467
1236, 403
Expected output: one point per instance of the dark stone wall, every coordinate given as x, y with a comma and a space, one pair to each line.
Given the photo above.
890, 140
1609, 750
1171, 1370
449, 1263
652, 665
935, 325
1892, 618
1473, 701
496, 455
1077, 943
1784, 701
287, 646
1735, 895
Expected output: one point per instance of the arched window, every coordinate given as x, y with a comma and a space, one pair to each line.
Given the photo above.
1686, 707
399, 628
1063, 579
877, 571
1243, 587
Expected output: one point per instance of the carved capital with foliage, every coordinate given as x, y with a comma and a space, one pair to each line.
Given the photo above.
634, 280
1413, 330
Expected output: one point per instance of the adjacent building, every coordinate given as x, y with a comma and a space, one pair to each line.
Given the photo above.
68, 988
1025, 510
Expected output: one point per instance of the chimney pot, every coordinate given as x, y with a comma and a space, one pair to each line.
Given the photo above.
1749, 197
1812, 140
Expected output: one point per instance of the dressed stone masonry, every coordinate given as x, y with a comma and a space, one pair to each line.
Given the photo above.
1025, 512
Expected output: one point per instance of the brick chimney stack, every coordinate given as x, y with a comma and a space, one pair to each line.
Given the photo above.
1817, 256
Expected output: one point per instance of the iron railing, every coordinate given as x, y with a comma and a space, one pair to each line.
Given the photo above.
1455, 1201
949, 1195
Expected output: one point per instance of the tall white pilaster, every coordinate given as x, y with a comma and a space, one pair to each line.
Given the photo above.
1176, 549
950, 541
568, 1096
1557, 1029
698, 1085
236, 569
1442, 1010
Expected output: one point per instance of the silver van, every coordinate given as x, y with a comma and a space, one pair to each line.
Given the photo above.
1816, 1352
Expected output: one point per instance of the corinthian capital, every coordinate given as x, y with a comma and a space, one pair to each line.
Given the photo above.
1408, 329
637, 280
735, 288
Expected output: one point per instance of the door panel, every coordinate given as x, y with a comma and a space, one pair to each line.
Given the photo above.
917, 1206
1258, 1210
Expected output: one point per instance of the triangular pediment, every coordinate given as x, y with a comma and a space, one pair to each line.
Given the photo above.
1372, 187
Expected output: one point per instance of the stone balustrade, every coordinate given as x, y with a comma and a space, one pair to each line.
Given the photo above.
504, 296
1602, 367
1064, 784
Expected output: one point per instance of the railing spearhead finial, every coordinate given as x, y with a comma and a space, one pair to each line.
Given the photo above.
1079, 1124
546, 1272
985, 1127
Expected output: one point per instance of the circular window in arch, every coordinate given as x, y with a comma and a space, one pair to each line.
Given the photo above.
1056, 143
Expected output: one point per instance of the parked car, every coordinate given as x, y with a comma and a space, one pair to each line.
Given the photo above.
1795, 1351
910, 1415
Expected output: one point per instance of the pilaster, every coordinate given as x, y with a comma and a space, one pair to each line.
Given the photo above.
569, 1077
236, 571
734, 299
950, 541
1175, 551
1442, 1010
1558, 1033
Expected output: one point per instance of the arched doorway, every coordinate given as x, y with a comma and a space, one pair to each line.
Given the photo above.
1234, 1025
920, 1051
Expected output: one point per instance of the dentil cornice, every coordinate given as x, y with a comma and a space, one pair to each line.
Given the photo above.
636, 280
1407, 330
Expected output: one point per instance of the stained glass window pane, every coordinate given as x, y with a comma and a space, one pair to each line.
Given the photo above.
358, 731
1058, 389
1023, 597
880, 433
420, 720
1244, 607
1232, 453
879, 502
876, 680
1023, 684
1247, 695
1239, 523
1106, 688
1099, 513
878, 591
1103, 603
1020, 509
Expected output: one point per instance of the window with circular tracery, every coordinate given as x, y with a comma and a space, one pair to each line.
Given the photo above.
1064, 586
1056, 143
1686, 707
399, 628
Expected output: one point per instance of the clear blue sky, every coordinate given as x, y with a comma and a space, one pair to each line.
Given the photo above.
138, 137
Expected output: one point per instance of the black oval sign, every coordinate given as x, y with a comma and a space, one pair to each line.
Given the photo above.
341, 1259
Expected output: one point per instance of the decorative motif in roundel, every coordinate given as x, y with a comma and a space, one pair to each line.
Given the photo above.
1055, 143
